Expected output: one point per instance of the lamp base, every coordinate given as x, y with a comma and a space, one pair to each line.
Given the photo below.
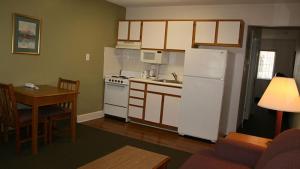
279, 115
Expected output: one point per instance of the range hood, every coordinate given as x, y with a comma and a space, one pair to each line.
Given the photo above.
128, 45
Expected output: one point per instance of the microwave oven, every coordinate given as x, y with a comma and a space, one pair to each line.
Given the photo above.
154, 57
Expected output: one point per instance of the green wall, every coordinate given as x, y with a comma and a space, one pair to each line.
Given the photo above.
69, 30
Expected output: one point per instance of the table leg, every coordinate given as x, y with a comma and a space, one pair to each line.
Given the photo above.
74, 119
34, 131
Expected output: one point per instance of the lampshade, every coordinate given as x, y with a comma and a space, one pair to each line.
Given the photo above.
281, 95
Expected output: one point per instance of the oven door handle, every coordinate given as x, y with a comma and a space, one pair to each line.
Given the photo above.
113, 84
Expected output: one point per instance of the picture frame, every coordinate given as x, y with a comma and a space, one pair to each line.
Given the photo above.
26, 34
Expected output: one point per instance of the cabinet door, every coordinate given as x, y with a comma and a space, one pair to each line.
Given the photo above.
171, 111
179, 35
153, 107
135, 30
153, 34
123, 30
205, 32
230, 33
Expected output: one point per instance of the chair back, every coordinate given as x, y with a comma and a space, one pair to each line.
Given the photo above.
8, 105
70, 85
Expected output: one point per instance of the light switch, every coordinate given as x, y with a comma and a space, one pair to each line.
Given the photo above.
87, 57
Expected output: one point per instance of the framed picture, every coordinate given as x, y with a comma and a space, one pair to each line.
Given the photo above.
26, 34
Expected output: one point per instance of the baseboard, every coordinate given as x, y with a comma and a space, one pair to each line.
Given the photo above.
90, 116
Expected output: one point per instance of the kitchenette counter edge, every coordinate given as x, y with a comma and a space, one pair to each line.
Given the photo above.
150, 81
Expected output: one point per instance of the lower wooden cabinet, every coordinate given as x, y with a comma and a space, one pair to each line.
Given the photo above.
155, 104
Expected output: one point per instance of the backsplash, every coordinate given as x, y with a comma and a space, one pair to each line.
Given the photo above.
127, 59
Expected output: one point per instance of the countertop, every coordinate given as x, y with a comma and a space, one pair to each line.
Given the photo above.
156, 82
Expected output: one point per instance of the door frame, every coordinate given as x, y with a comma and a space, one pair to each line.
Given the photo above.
250, 69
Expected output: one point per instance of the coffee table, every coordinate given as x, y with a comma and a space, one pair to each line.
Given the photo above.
129, 157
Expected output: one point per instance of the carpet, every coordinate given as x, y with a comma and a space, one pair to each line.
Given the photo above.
91, 144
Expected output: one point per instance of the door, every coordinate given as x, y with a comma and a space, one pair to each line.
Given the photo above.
249, 74
135, 30
116, 95
229, 32
171, 110
201, 107
123, 30
205, 63
179, 35
205, 32
153, 107
153, 35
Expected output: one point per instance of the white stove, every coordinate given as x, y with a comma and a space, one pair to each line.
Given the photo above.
116, 94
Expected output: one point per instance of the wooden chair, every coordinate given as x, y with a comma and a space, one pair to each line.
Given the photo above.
61, 111
12, 117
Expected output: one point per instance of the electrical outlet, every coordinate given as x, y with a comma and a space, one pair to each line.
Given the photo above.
87, 57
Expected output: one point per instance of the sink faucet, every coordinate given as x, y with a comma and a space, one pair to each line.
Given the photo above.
175, 76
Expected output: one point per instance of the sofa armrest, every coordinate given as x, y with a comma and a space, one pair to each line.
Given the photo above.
239, 152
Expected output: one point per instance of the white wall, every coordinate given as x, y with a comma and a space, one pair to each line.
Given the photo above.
125, 59
256, 14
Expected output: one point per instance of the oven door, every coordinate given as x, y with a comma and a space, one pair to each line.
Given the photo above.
116, 94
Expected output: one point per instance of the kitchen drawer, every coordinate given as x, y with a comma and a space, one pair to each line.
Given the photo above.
137, 102
164, 89
139, 86
135, 93
135, 112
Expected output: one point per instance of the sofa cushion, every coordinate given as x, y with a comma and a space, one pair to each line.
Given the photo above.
239, 152
207, 160
284, 142
287, 160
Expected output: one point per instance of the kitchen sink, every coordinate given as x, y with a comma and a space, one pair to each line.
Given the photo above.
168, 81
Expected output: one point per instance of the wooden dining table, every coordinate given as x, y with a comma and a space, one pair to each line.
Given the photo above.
46, 95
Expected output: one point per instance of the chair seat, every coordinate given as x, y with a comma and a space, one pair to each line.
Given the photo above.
25, 115
207, 160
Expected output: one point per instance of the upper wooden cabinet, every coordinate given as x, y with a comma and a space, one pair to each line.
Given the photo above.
219, 32
179, 35
205, 32
153, 35
230, 33
129, 30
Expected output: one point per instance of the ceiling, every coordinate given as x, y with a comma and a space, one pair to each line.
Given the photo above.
129, 3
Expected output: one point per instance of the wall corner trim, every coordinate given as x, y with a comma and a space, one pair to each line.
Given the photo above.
90, 116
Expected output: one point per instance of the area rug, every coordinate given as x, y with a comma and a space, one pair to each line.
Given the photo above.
91, 144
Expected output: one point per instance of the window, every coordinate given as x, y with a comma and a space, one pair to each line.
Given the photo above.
266, 65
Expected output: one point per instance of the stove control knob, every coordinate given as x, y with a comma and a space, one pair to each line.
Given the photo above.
109, 80
118, 81
121, 81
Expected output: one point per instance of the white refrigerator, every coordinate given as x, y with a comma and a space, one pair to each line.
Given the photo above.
202, 95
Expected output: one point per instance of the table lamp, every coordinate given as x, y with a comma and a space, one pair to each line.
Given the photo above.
281, 95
